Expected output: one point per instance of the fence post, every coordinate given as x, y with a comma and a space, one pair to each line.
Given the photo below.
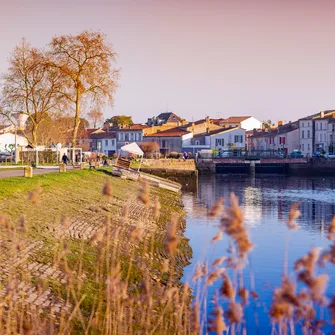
62, 167
28, 172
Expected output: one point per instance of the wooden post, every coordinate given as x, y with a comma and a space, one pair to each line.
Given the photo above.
62, 167
28, 172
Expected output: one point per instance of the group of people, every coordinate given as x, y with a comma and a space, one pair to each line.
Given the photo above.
65, 158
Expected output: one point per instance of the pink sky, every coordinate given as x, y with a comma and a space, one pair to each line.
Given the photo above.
269, 59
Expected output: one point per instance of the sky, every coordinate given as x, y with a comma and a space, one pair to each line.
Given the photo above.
269, 59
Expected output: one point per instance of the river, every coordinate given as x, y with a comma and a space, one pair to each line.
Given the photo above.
265, 201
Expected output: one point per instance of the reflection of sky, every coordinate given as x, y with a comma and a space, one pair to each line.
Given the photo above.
265, 202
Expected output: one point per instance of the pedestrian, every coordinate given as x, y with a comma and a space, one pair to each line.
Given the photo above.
65, 159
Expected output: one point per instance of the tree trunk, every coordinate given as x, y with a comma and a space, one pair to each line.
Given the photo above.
76, 125
34, 135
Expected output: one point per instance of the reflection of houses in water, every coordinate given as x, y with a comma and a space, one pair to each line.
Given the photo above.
252, 207
273, 197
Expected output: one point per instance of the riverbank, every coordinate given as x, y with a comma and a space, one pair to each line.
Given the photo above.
87, 261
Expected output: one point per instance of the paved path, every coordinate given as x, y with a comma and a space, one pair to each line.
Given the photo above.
19, 173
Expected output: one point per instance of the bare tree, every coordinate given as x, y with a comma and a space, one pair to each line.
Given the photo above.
95, 116
30, 90
86, 62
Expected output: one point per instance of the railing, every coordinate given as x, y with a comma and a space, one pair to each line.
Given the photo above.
248, 154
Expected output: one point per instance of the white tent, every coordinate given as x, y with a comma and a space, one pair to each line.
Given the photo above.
132, 148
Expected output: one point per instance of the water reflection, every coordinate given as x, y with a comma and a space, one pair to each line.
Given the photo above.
270, 196
265, 201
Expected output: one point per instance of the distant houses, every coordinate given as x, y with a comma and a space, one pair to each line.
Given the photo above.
283, 138
174, 134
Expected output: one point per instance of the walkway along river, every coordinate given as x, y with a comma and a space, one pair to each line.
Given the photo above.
265, 201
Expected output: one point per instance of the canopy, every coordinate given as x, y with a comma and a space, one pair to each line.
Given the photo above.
132, 148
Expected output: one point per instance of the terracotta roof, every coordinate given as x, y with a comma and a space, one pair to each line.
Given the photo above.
137, 126
190, 124
233, 119
173, 132
107, 134
327, 115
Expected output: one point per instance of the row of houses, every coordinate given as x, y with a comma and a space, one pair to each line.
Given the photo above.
309, 134
174, 134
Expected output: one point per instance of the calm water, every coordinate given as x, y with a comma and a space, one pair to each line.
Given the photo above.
266, 202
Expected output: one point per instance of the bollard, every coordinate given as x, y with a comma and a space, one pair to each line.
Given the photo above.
62, 167
82, 165
28, 172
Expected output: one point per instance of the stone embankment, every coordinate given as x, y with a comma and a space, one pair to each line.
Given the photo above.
177, 170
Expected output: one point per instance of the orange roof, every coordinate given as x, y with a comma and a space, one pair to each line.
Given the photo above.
136, 126
173, 132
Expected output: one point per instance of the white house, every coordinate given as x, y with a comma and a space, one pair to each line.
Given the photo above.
324, 131
226, 139
104, 142
306, 135
8, 139
244, 122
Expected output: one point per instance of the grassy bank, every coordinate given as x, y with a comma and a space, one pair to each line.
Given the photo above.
87, 262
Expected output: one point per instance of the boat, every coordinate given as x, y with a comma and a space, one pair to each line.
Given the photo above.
122, 168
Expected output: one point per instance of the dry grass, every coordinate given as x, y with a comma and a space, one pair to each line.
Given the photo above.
120, 275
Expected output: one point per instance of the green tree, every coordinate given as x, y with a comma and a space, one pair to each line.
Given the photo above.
267, 124
120, 120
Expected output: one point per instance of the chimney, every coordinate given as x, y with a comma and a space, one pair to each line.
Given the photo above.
280, 123
254, 131
322, 115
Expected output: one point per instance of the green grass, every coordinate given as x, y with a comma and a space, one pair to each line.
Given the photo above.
78, 195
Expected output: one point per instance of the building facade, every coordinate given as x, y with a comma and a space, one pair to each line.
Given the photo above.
7, 140
126, 135
306, 136
172, 140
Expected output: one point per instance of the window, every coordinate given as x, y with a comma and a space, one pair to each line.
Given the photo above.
219, 142
120, 136
303, 124
302, 147
132, 136
309, 146
126, 137
333, 127
238, 139
308, 133
303, 134
308, 124
316, 126
163, 144
106, 142
197, 142
282, 140
113, 143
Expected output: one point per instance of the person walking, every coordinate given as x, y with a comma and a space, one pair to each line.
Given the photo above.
65, 159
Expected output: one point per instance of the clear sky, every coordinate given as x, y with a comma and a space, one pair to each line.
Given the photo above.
273, 59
